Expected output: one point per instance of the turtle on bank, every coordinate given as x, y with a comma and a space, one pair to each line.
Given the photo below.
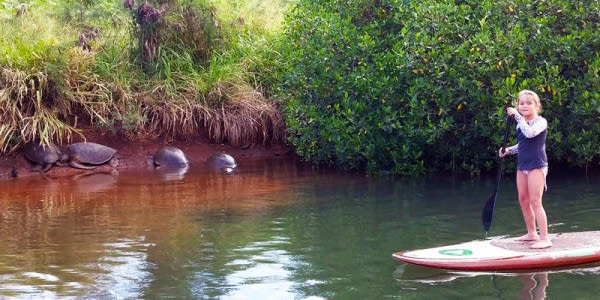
43, 156
86, 155
169, 157
221, 162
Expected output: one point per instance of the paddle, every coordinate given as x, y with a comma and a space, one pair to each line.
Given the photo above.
488, 209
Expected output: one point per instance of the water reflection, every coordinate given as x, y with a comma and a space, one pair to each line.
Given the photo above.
124, 267
92, 183
262, 271
105, 236
273, 230
532, 285
172, 173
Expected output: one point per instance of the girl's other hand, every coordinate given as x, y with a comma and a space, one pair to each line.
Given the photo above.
511, 111
502, 152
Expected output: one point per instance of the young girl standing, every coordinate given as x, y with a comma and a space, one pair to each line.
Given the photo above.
532, 165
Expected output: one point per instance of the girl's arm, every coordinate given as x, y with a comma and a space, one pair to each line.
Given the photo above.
508, 150
514, 149
538, 125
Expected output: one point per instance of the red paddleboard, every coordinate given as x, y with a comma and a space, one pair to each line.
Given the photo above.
507, 254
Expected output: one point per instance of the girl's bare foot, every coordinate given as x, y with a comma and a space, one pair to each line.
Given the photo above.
542, 244
528, 237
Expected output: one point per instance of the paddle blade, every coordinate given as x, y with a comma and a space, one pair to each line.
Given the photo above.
488, 211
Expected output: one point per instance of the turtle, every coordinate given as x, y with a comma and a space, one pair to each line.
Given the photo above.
221, 162
169, 157
43, 156
86, 155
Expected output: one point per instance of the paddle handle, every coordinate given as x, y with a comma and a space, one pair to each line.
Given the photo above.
490, 204
504, 142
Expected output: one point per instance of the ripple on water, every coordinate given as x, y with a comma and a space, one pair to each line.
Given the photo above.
124, 268
262, 275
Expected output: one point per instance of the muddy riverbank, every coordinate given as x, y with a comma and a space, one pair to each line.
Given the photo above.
133, 154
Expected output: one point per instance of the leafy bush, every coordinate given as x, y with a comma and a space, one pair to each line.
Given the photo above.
408, 87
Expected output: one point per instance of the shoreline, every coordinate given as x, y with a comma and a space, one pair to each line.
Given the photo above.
133, 154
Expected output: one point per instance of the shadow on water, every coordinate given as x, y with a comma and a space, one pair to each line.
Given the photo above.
270, 230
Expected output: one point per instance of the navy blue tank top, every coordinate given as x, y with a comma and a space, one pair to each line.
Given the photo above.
532, 151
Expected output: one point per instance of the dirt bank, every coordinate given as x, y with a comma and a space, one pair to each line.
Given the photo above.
133, 154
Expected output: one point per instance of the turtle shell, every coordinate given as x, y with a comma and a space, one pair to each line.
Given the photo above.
90, 153
221, 161
41, 154
170, 157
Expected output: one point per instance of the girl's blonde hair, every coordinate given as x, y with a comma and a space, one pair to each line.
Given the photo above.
535, 97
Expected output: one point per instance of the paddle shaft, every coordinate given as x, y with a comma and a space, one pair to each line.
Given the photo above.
490, 204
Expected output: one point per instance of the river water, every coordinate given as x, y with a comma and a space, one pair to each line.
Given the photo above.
272, 230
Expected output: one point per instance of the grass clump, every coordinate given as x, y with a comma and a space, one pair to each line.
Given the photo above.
156, 68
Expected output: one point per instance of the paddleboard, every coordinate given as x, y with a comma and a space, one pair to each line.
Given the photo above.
508, 254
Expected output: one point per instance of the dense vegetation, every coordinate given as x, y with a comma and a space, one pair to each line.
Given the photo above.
137, 69
407, 86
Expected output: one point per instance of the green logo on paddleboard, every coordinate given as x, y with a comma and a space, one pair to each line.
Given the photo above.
456, 252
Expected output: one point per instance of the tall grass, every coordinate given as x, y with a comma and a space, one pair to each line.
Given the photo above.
30, 100
202, 79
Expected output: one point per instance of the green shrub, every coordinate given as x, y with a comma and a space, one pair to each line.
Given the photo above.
408, 87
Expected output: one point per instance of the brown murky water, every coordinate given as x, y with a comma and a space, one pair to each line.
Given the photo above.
82, 235
272, 230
